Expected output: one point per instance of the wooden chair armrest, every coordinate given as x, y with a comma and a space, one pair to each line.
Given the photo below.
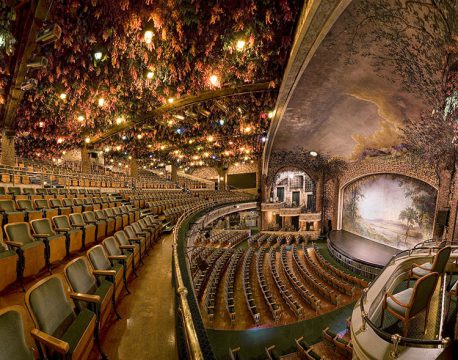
117, 257
395, 300
13, 243
300, 338
41, 236
271, 347
104, 272
50, 341
85, 297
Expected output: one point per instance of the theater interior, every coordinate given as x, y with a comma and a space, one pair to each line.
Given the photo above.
228, 179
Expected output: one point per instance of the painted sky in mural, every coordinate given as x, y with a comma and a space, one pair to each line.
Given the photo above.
391, 209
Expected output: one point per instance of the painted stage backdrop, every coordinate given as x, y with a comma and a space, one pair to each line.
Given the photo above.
391, 209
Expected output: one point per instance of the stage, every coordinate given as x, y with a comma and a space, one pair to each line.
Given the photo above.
360, 249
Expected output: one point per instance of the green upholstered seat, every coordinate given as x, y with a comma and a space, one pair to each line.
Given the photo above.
10, 213
414, 300
99, 260
28, 191
32, 252
27, 207
110, 222
89, 217
438, 263
58, 244
14, 190
53, 313
125, 217
13, 345
123, 239
57, 204
132, 235
81, 280
110, 214
41, 204
113, 249
74, 236
89, 230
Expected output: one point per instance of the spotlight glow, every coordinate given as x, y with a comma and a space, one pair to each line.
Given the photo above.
98, 55
148, 36
240, 45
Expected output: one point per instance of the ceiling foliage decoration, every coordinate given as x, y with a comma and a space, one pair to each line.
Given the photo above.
118, 60
384, 66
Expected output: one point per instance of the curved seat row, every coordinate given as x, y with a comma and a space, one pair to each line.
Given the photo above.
229, 283
268, 297
249, 298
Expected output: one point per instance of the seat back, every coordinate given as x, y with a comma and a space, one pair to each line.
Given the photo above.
112, 246
109, 212
89, 216
25, 205
7, 205
98, 258
121, 237
61, 222
136, 227
80, 278
51, 310
41, 204
56, 203
422, 293
130, 232
19, 232
28, 191
100, 215
13, 190
42, 226
12, 338
441, 259
67, 202
77, 201
77, 220
116, 211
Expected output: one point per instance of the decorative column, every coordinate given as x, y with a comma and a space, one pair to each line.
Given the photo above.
85, 160
133, 165
8, 151
173, 173
222, 178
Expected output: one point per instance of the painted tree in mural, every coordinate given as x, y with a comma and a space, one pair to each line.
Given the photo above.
414, 44
410, 215
351, 210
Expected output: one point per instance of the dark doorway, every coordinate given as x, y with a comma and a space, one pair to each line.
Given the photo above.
295, 222
278, 220
281, 194
296, 198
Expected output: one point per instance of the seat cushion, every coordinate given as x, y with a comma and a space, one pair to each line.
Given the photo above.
403, 297
12, 341
419, 271
76, 330
103, 289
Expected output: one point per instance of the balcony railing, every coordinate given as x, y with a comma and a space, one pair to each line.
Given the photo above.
371, 301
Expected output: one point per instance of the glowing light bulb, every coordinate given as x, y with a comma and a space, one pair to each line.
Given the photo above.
271, 114
41, 124
313, 153
63, 96
80, 118
214, 80
87, 140
118, 148
148, 36
60, 140
119, 120
170, 100
149, 75
210, 138
107, 149
101, 101
98, 55
139, 136
240, 45
247, 129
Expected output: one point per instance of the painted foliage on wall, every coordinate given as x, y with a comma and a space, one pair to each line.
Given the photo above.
392, 209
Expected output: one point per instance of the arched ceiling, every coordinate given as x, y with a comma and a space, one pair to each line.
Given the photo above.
381, 65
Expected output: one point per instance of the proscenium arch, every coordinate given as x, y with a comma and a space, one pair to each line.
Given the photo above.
361, 176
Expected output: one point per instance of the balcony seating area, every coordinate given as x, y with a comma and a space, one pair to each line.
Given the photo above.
93, 253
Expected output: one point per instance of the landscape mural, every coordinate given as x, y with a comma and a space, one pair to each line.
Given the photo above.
391, 209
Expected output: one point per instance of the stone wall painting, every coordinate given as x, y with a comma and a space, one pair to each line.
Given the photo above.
392, 209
